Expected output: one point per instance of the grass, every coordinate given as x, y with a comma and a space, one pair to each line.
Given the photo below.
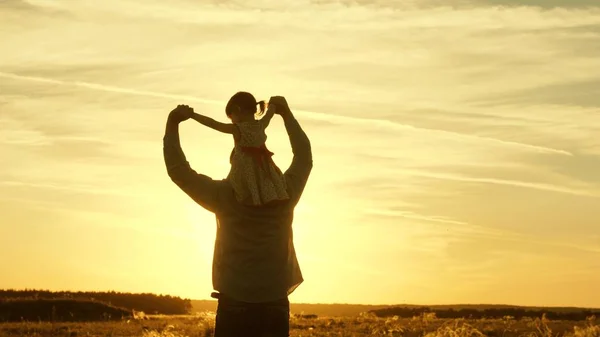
362, 325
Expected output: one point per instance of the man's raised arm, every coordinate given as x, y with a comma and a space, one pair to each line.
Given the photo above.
298, 172
200, 188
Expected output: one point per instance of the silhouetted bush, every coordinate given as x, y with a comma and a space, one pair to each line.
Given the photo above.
566, 314
58, 310
306, 316
146, 302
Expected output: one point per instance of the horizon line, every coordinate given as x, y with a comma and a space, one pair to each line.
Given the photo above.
313, 303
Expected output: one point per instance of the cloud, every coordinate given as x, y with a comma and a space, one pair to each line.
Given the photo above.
580, 93
23, 5
542, 3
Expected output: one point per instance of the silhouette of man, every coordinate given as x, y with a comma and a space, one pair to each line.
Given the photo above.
254, 263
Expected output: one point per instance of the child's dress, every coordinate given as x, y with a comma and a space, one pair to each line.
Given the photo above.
255, 178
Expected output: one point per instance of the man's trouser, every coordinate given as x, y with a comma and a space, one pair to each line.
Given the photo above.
242, 319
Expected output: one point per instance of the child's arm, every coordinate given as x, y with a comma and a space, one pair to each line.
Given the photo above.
213, 124
266, 119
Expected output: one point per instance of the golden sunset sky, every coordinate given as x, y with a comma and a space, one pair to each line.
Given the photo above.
456, 144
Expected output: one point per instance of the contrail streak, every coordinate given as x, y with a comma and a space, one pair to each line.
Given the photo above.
109, 88
399, 126
308, 114
516, 183
414, 216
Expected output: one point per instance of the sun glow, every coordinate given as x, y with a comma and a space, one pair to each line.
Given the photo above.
455, 147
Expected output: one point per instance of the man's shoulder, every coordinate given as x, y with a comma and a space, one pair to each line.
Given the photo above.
222, 187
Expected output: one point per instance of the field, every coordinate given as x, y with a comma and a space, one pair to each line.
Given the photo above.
362, 325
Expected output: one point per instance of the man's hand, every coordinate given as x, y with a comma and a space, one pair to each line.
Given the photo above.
181, 113
281, 104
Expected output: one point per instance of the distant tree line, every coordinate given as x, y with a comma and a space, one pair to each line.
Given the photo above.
146, 302
59, 310
489, 313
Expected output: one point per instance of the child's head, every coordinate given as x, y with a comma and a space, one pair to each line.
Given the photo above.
242, 106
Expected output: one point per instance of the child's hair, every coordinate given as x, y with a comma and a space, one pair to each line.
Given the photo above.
246, 102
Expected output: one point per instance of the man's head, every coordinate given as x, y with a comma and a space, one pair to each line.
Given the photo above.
242, 105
